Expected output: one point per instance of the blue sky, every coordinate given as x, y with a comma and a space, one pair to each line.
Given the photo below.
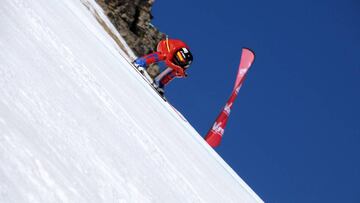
294, 132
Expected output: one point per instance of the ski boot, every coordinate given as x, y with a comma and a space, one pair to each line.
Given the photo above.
161, 91
140, 64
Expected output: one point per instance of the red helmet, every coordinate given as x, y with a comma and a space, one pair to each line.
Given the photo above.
183, 58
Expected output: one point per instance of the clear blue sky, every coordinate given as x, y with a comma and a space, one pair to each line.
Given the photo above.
294, 132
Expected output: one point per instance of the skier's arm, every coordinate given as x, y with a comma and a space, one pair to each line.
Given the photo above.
170, 76
154, 57
179, 70
177, 74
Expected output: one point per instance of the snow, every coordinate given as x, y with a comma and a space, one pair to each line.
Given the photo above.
78, 123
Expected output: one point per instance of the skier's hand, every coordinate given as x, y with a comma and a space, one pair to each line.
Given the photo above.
180, 72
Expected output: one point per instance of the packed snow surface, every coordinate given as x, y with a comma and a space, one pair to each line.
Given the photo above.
78, 123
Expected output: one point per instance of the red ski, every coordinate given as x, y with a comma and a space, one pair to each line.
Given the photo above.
215, 134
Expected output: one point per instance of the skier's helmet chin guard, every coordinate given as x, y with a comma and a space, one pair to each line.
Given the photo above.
183, 58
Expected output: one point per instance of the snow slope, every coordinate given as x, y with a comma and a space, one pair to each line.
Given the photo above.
78, 124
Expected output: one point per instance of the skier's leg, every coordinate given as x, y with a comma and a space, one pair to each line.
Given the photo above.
163, 74
159, 80
142, 62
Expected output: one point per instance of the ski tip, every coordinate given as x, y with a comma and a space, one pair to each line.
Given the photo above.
250, 50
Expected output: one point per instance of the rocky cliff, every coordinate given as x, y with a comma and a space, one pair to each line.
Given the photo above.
132, 19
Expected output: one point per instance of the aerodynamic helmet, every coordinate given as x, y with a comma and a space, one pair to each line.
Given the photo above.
183, 58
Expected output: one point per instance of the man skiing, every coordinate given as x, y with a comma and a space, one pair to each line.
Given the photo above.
176, 56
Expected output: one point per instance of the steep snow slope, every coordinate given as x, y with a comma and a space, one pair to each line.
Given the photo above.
78, 124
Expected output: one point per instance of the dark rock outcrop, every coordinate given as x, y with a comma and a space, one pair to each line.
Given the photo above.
132, 19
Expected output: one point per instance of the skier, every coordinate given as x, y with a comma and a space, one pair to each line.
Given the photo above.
176, 56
